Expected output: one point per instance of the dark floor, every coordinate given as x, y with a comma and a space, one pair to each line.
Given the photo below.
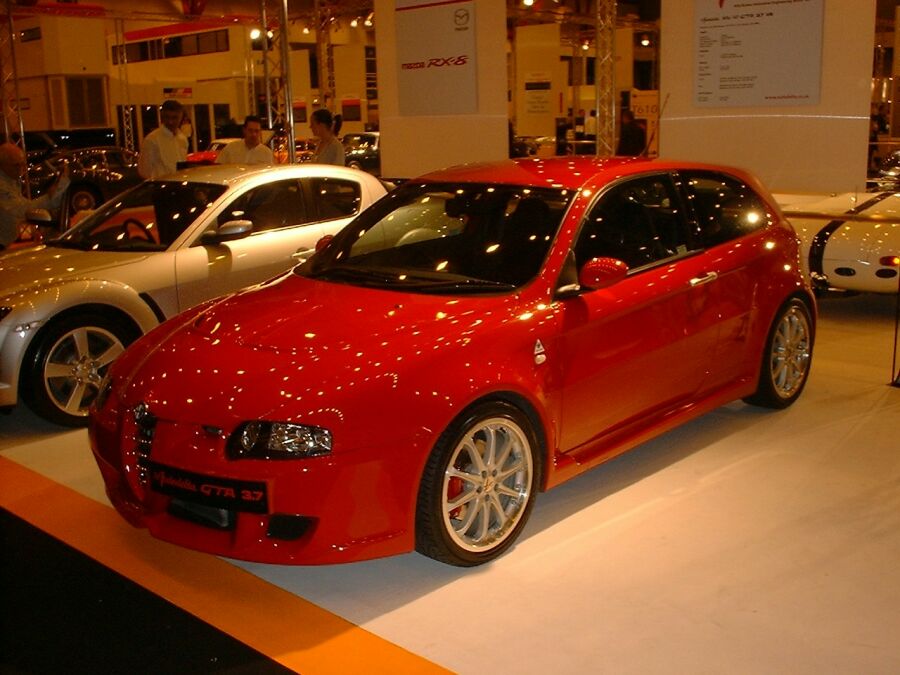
62, 612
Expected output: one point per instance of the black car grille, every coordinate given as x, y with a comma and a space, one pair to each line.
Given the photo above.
144, 430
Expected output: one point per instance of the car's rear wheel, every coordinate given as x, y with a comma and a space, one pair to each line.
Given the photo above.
479, 486
787, 357
65, 367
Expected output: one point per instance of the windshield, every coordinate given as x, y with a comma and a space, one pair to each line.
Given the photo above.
149, 217
446, 238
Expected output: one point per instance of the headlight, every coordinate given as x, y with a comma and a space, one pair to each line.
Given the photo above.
278, 440
4, 311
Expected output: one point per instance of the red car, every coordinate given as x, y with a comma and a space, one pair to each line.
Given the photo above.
209, 155
477, 336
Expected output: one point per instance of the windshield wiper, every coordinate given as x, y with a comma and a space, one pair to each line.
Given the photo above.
350, 273
67, 243
469, 285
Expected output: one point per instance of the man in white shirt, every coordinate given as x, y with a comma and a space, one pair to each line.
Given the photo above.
251, 150
164, 147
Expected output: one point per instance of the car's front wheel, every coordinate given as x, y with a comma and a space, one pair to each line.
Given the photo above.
479, 486
83, 198
786, 358
63, 370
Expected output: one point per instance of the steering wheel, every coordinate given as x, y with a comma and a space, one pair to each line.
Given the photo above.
143, 230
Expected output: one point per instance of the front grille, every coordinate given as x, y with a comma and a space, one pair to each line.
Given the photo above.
144, 429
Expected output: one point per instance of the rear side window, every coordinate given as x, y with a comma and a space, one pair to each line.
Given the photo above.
336, 197
725, 207
637, 221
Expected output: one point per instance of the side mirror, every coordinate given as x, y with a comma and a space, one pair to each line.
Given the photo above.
39, 217
323, 242
233, 229
601, 272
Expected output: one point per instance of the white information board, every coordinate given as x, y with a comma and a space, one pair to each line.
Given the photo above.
436, 57
757, 52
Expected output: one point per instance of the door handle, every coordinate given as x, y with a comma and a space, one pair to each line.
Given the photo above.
705, 279
301, 254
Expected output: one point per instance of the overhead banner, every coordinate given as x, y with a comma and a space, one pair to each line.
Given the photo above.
436, 57
758, 52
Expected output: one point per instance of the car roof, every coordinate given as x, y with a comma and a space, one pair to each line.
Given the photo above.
562, 172
233, 174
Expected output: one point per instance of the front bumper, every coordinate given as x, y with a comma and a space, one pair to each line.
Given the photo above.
349, 506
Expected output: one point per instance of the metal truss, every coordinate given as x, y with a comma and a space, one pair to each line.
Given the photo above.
277, 92
127, 120
9, 87
605, 77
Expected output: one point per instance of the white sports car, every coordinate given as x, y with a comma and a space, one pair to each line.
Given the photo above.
69, 307
853, 241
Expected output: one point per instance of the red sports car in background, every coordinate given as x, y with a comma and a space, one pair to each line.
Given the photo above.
477, 336
209, 155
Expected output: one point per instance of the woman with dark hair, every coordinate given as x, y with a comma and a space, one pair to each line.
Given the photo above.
325, 127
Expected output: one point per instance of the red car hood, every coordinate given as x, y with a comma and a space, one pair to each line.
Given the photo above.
298, 348
296, 315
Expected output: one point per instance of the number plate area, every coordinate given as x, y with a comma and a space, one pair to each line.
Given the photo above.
224, 493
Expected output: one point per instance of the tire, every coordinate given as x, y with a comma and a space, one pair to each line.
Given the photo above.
474, 502
786, 358
83, 198
63, 370
355, 165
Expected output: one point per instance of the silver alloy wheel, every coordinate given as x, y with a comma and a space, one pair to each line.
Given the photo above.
487, 484
75, 366
791, 351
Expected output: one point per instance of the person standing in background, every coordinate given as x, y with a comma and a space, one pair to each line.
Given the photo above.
632, 137
249, 151
326, 127
165, 146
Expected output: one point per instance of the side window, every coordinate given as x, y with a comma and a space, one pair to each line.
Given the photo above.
725, 207
336, 197
269, 207
637, 221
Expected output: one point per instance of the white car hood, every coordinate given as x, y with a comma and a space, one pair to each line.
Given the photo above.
25, 268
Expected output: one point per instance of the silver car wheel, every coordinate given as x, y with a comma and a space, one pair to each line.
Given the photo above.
487, 484
75, 366
791, 351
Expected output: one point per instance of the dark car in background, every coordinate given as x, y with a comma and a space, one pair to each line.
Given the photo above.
40, 145
361, 151
97, 174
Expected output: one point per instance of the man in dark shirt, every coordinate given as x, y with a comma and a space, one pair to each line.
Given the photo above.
632, 137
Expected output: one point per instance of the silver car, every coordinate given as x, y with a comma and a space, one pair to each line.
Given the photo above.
71, 306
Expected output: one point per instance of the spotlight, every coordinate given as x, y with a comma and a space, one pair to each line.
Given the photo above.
255, 33
354, 22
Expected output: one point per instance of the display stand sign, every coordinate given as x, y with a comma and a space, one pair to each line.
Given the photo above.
538, 94
436, 57
757, 52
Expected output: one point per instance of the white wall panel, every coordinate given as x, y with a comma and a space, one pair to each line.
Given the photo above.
803, 148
